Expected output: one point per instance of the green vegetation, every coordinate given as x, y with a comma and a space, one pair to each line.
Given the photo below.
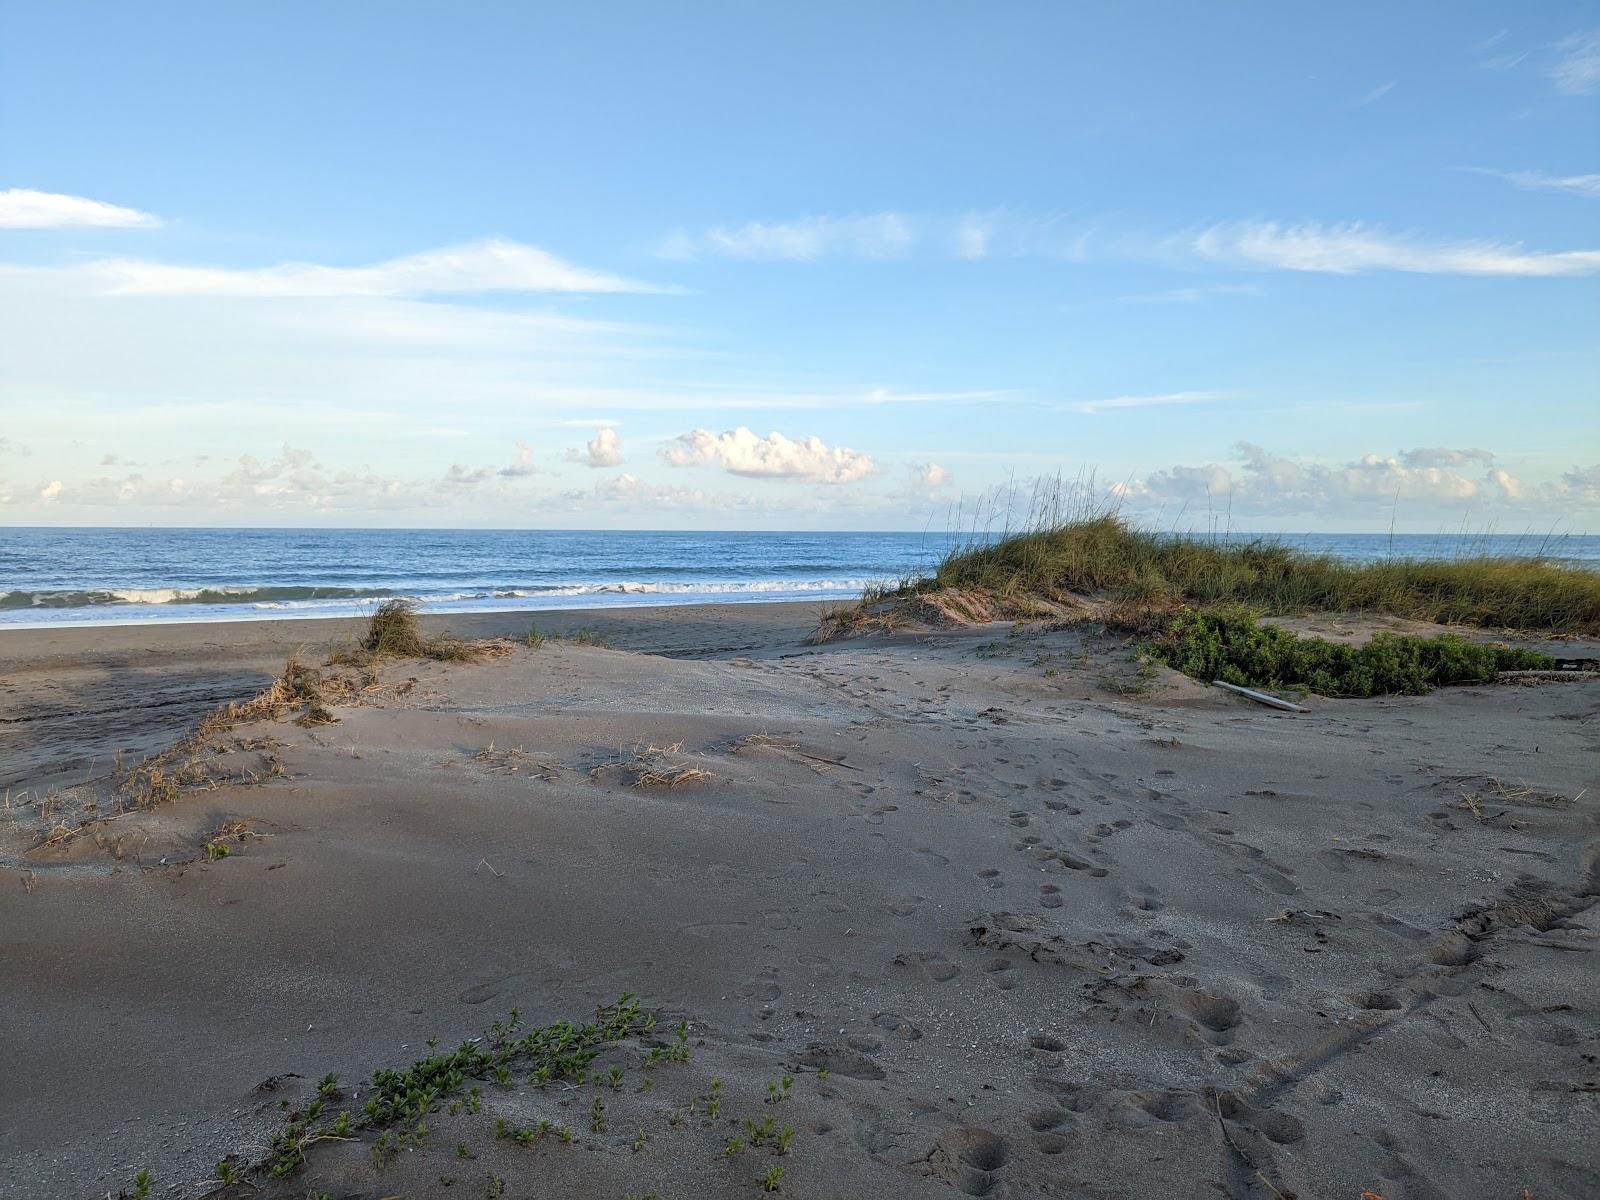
1231, 646
1104, 554
400, 1100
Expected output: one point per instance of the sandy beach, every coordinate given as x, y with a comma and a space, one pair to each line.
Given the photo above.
1010, 919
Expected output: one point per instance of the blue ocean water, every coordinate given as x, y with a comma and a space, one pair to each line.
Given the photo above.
52, 577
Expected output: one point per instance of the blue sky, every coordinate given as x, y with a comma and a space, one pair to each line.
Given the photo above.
840, 266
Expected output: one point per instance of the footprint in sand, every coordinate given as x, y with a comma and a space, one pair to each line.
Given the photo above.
968, 1159
999, 972
991, 878
1050, 896
479, 992
904, 908
1073, 863
933, 964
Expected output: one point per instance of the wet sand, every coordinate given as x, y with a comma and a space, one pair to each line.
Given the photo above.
1013, 920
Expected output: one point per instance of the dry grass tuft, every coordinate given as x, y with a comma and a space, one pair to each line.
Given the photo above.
513, 761
186, 763
654, 767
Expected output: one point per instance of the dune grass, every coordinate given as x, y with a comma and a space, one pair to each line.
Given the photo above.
1105, 556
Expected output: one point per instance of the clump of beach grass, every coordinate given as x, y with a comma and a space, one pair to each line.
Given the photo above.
393, 631
1105, 556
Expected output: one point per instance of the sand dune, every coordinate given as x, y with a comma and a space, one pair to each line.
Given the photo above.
1010, 920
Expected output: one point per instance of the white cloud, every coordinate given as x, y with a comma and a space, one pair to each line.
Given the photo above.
1576, 70
1376, 94
1582, 185
602, 450
1352, 249
492, 265
23, 208
878, 235
1192, 295
1582, 483
459, 476
884, 235
523, 465
775, 456
930, 476
1332, 248
50, 490
1156, 400
1439, 456
1259, 481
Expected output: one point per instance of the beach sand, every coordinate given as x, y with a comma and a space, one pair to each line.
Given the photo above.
1015, 920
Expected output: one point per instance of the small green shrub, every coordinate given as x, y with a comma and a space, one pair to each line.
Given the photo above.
1232, 646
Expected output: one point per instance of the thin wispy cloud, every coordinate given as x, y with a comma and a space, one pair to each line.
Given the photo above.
1193, 295
1376, 94
1355, 248
24, 208
885, 236
1580, 185
1342, 248
1155, 400
492, 265
1576, 70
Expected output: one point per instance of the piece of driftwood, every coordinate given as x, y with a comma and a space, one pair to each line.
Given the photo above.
1259, 697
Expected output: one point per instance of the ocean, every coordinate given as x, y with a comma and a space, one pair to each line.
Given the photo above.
54, 577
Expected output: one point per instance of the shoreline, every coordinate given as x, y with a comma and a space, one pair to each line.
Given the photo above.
36, 647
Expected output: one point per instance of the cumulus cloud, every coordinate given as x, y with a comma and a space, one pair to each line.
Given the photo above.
1576, 70
1582, 483
523, 465
459, 476
293, 481
930, 476
492, 265
602, 450
629, 490
775, 456
1356, 248
1259, 480
24, 208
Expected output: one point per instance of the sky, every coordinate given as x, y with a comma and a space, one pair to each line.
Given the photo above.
821, 266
